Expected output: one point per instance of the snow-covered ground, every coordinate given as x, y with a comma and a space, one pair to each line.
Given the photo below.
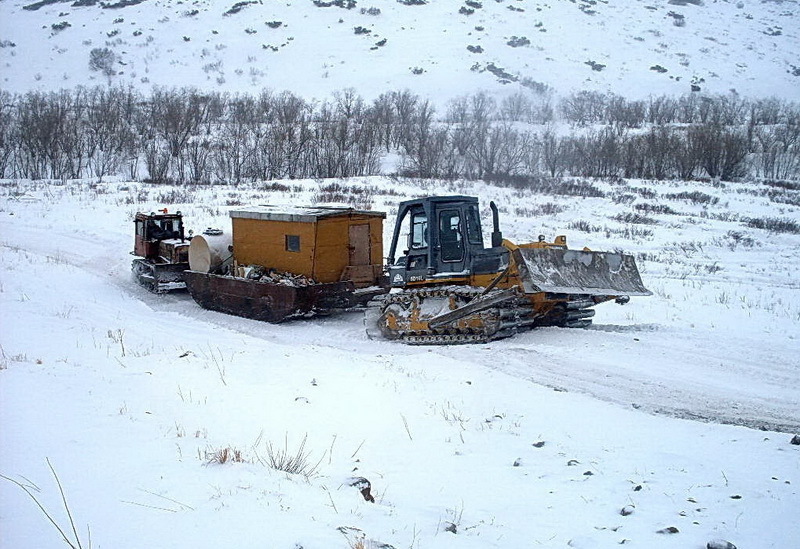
439, 50
679, 407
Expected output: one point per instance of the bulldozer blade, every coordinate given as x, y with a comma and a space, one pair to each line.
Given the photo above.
561, 271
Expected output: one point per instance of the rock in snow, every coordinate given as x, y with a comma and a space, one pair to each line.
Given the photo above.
720, 544
364, 486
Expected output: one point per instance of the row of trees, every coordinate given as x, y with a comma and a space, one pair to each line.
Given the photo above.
188, 136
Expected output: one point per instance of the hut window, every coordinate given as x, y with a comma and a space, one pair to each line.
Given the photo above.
292, 243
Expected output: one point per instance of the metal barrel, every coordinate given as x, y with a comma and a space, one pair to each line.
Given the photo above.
561, 271
208, 251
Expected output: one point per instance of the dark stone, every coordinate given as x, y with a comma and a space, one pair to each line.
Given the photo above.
796, 440
364, 486
719, 544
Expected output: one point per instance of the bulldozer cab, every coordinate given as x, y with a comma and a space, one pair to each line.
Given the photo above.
152, 228
437, 239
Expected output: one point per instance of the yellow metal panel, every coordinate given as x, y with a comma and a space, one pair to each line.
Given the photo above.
257, 242
331, 251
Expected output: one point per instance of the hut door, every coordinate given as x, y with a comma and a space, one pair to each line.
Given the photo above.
359, 245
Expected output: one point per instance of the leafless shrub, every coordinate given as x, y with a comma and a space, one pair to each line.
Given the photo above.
623, 198
734, 239
239, 6
635, 218
785, 197
774, 224
695, 197
539, 210
359, 196
584, 226
644, 192
571, 187
646, 208
103, 60
275, 187
788, 185
175, 196
631, 232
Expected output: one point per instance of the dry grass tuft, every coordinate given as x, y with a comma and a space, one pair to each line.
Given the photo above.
225, 455
293, 462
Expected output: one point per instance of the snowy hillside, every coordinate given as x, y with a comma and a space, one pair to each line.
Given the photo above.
666, 424
438, 49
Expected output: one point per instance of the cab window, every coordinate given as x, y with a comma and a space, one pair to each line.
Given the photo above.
419, 230
474, 226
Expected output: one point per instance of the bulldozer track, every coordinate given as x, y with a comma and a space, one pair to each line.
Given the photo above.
504, 315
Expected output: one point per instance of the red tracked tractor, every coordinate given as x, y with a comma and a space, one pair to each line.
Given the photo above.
449, 288
162, 250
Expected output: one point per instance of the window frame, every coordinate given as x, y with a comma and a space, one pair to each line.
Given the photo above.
292, 243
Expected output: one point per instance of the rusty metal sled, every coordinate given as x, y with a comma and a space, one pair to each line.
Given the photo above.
272, 302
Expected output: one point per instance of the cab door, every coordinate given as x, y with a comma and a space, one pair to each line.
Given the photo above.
413, 265
451, 253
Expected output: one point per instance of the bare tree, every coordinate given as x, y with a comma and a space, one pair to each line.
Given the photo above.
555, 151
8, 134
109, 128
722, 150
176, 115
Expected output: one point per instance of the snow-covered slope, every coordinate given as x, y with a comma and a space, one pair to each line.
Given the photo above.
439, 49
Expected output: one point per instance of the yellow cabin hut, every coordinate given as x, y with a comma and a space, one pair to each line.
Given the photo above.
327, 244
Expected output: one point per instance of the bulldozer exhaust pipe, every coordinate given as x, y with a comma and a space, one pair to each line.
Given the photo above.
497, 236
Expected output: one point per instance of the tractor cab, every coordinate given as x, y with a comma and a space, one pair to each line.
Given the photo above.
152, 229
439, 240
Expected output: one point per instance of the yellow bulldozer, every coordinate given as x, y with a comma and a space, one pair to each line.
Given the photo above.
449, 288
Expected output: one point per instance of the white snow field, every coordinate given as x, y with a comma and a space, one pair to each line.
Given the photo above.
439, 49
159, 418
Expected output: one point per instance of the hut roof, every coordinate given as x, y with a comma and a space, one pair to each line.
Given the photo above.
299, 214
